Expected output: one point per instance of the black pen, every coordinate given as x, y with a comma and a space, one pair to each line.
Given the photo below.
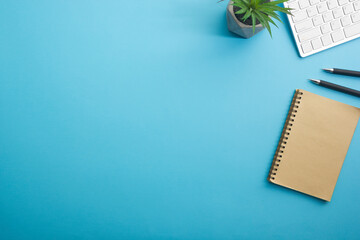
342, 72
336, 87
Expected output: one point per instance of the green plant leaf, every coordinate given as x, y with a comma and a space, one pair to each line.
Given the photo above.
268, 19
240, 5
246, 16
272, 14
274, 3
262, 1
274, 8
263, 22
253, 19
279, 1
241, 11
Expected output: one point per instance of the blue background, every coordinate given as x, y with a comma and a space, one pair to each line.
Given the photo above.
149, 120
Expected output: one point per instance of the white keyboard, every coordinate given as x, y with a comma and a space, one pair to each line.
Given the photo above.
321, 24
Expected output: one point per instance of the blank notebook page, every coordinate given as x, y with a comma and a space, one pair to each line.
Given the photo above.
313, 145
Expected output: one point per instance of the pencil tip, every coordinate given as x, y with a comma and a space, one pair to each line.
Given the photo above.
328, 70
316, 81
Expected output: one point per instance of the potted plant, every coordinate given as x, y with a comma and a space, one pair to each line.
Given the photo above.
248, 17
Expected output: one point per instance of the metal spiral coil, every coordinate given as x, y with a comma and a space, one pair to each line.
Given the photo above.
290, 120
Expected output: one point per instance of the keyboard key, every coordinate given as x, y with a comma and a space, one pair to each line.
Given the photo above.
322, 7
337, 36
348, 9
311, 11
317, 20
306, 47
294, 6
357, 6
337, 13
355, 17
316, 44
326, 40
352, 30
304, 4
352, 0
314, 2
335, 24
325, 28
345, 21
332, 4
327, 16
303, 25
342, 2
299, 16
313, 33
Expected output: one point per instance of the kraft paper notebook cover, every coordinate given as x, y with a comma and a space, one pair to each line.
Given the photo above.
313, 144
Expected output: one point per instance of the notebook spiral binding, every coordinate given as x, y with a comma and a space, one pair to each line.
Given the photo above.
290, 120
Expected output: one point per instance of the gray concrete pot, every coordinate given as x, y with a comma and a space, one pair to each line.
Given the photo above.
237, 27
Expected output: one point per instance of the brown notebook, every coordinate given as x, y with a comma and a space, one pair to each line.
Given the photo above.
313, 144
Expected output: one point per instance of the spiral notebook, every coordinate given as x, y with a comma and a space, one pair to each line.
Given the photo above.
313, 144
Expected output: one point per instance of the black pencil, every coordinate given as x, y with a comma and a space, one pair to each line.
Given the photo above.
336, 87
342, 72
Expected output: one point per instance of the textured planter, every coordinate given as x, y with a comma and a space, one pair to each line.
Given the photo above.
237, 27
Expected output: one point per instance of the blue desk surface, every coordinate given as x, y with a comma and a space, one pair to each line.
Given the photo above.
149, 120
